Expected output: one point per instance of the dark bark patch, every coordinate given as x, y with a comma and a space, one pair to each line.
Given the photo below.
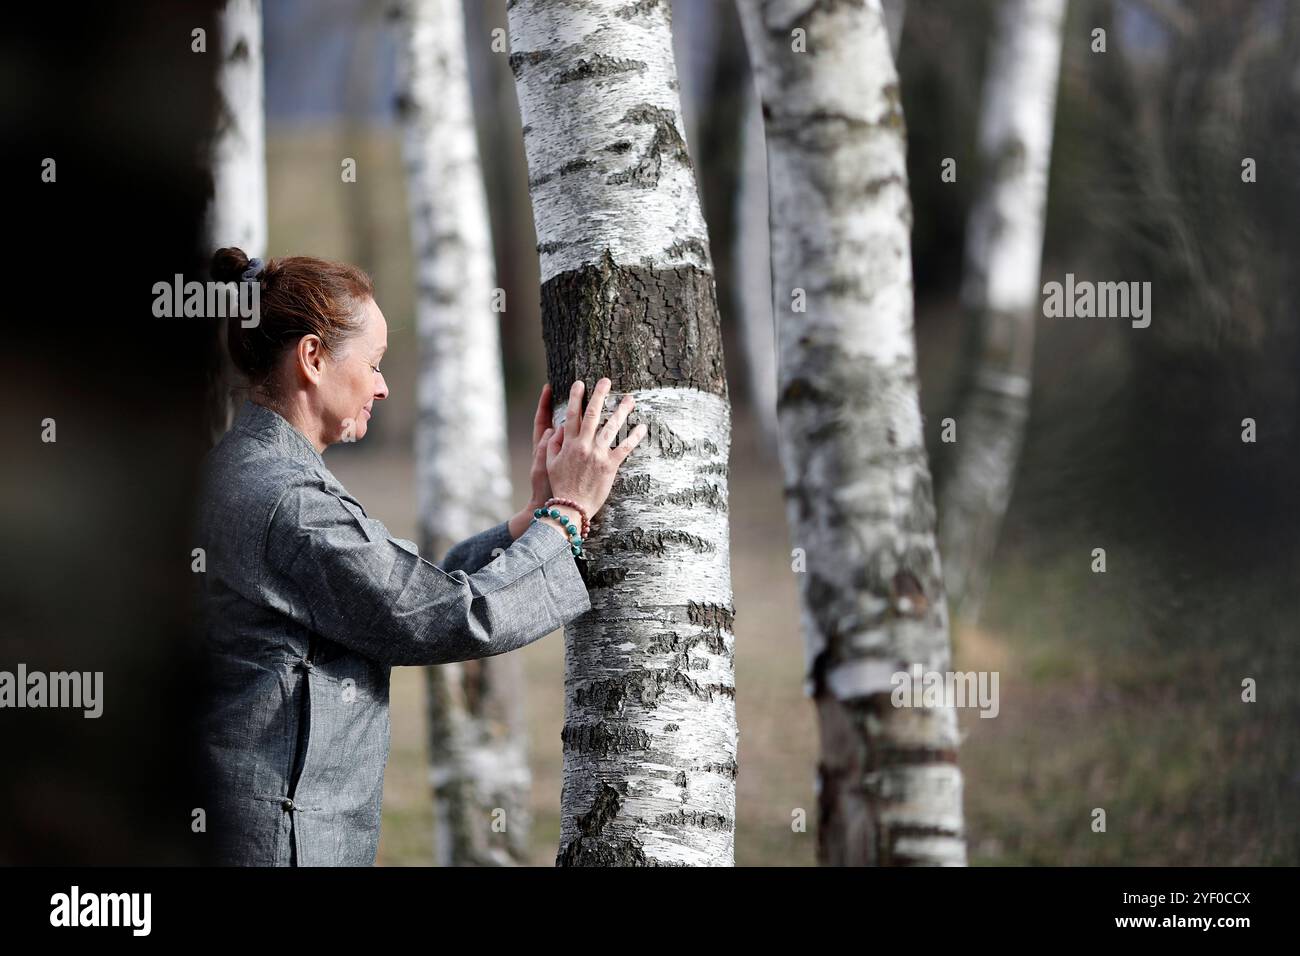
639, 8
666, 145
606, 577
641, 541
686, 248
701, 819
713, 616
704, 495
572, 166
907, 597
530, 58
641, 327
591, 847
548, 247
633, 485
604, 738
599, 66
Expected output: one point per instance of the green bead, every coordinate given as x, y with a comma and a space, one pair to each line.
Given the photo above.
576, 539
575, 549
553, 513
538, 513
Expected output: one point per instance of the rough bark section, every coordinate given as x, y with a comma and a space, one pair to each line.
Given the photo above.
858, 487
477, 735
642, 327
1000, 292
650, 727
236, 215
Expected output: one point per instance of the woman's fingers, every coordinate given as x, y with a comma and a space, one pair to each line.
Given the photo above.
631, 441
542, 420
595, 407
616, 421
553, 445
573, 413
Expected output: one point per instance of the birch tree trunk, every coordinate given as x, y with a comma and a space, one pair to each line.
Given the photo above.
858, 488
895, 13
477, 737
753, 270
236, 214
1000, 289
628, 292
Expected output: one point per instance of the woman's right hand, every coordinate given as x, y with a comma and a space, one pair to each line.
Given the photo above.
579, 459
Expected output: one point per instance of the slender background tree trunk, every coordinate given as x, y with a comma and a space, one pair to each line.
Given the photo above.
858, 486
753, 257
477, 738
628, 292
237, 213
895, 13
1000, 290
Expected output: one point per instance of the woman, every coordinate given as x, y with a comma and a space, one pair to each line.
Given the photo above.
308, 601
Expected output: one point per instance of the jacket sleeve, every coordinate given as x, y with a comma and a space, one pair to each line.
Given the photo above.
472, 553
354, 583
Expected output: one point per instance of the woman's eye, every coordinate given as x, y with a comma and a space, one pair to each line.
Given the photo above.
376, 368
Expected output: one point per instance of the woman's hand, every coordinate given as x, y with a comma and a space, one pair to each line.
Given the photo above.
579, 460
538, 477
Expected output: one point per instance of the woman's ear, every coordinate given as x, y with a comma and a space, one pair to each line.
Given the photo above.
310, 356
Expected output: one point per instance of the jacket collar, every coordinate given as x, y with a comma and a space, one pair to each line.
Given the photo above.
273, 429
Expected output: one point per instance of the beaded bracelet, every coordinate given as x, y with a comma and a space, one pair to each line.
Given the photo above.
570, 503
575, 540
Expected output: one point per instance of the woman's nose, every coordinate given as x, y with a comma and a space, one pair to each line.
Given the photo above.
382, 390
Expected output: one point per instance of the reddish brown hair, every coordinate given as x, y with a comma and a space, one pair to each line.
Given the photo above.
299, 295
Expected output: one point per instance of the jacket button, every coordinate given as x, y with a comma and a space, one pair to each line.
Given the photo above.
286, 803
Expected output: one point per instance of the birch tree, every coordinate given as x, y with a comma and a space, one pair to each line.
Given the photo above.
1000, 288
858, 488
477, 739
895, 13
236, 214
753, 257
628, 292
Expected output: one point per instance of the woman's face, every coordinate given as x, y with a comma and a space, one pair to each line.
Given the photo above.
354, 382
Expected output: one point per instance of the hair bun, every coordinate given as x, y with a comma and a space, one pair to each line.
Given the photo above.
228, 264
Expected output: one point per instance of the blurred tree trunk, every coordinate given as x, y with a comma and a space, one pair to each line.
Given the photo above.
753, 260
477, 738
895, 13
1000, 291
237, 214
628, 292
857, 480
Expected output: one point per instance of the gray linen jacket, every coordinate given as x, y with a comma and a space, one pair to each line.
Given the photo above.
306, 604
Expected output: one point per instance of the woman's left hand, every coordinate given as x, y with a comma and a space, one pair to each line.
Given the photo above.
542, 429
540, 480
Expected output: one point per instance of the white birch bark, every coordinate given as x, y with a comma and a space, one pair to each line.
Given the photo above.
1000, 289
858, 488
237, 213
477, 737
627, 291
